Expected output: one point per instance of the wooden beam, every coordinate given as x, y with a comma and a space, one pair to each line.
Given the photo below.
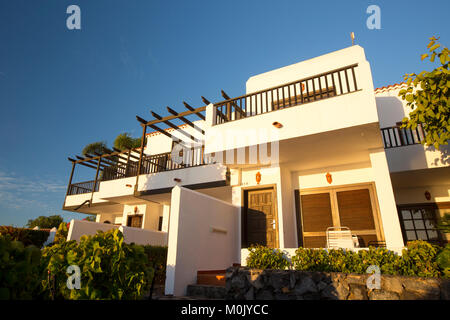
86, 160
192, 109
170, 124
205, 101
185, 120
234, 104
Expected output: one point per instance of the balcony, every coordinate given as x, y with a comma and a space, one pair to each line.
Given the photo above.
322, 86
150, 164
394, 137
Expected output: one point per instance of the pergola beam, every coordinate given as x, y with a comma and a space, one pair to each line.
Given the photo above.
170, 124
185, 120
193, 111
234, 104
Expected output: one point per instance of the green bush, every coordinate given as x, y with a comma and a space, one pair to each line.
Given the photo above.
110, 269
443, 261
61, 233
26, 236
157, 259
261, 257
19, 269
418, 259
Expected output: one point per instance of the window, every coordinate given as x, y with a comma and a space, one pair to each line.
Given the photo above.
353, 207
418, 222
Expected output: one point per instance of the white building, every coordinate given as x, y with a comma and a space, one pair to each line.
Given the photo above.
309, 146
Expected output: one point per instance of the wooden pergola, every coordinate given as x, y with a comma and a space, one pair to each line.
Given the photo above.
127, 160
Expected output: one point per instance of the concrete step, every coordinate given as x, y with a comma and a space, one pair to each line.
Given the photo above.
203, 291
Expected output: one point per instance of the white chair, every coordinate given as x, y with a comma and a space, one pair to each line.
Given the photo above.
339, 237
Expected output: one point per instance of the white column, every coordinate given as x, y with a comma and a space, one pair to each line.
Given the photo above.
386, 200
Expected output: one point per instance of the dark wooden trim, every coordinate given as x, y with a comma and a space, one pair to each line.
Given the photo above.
298, 218
141, 154
70, 179
204, 185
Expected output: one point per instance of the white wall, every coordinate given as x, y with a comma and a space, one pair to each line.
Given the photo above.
143, 236
194, 241
386, 200
79, 228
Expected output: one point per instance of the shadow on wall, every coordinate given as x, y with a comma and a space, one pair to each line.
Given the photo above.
390, 111
444, 159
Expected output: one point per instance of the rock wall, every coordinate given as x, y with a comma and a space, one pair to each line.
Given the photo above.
250, 284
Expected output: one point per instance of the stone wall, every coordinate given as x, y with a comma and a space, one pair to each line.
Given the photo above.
250, 284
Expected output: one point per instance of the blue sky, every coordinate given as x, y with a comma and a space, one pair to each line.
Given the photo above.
61, 89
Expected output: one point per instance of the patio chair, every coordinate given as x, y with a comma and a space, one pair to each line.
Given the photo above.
339, 237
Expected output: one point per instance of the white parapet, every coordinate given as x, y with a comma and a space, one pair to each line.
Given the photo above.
203, 235
79, 228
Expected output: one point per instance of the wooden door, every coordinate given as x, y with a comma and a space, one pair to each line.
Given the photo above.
135, 221
261, 219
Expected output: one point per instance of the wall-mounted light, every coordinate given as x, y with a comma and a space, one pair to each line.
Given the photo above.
329, 177
258, 177
176, 179
277, 125
427, 195
135, 209
128, 185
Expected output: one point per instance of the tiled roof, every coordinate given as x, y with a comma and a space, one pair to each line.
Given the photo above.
153, 133
390, 87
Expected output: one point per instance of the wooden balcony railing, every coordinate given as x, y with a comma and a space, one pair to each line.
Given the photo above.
322, 86
82, 187
397, 137
150, 164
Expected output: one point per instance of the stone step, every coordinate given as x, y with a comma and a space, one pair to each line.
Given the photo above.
212, 278
205, 291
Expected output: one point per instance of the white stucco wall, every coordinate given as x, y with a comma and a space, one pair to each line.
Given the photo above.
203, 235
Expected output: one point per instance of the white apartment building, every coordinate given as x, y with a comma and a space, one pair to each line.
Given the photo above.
309, 146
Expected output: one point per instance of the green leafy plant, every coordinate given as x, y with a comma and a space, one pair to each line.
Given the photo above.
19, 269
157, 258
61, 233
444, 223
125, 141
26, 236
266, 258
443, 261
95, 147
110, 269
45, 222
428, 96
419, 259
